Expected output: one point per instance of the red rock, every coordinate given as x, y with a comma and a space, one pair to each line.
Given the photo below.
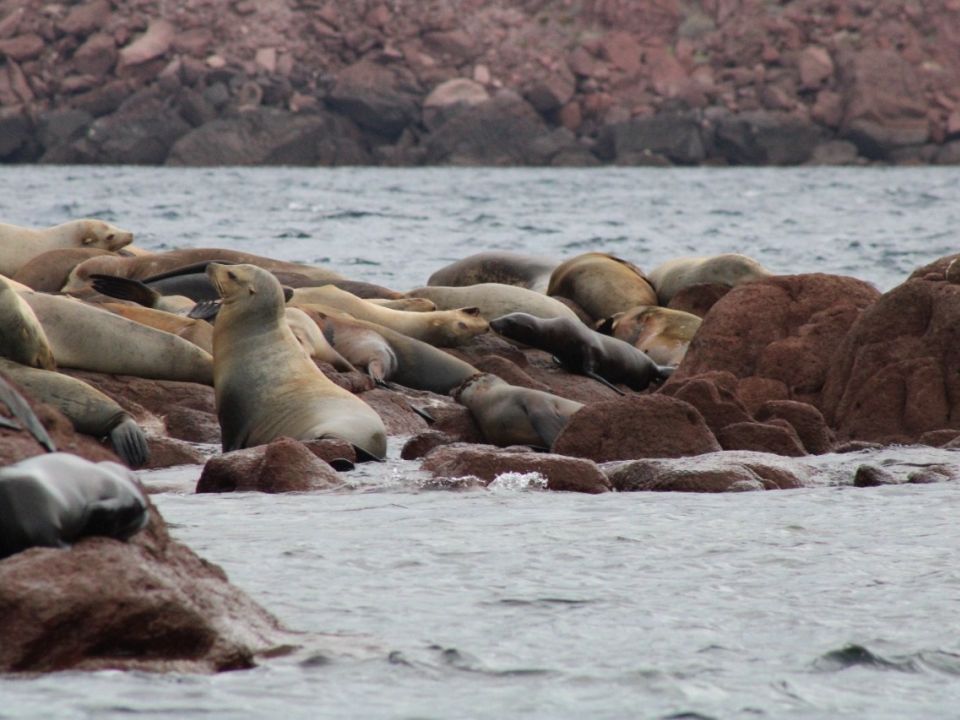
939, 438
622, 50
828, 108
154, 43
509, 371
784, 328
11, 23
284, 465
396, 412
805, 419
714, 396
168, 452
185, 423
667, 74
712, 472
96, 56
636, 426
86, 18
195, 41
570, 116
775, 436
487, 463
896, 375
422, 443
456, 421
698, 299
22, 47
754, 391
147, 604
550, 92
815, 66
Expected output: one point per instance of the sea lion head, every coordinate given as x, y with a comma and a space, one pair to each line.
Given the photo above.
103, 235
474, 384
456, 327
247, 288
519, 326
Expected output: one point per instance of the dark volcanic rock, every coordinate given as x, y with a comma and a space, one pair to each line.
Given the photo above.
284, 465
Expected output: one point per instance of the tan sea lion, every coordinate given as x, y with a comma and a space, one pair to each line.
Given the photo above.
601, 284
22, 338
729, 269
511, 415
54, 500
497, 266
89, 410
410, 304
19, 245
311, 339
198, 332
266, 387
48, 272
443, 328
663, 334
495, 300
86, 337
582, 350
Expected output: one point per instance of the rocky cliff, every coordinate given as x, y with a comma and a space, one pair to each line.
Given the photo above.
544, 82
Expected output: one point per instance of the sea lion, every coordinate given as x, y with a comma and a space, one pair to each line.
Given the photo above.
139, 268
22, 338
48, 272
582, 350
511, 415
308, 334
495, 300
198, 332
140, 293
19, 245
54, 500
90, 338
387, 355
601, 284
663, 334
23, 416
265, 385
89, 410
730, 269
410, 304
443, 328
497, 266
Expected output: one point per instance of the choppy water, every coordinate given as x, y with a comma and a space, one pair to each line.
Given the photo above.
510, 602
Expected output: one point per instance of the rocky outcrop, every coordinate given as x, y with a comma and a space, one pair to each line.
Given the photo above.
146, 604
284, 465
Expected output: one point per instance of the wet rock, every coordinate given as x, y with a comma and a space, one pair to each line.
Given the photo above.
331, 450
698, 299
712, 472
806, 420
486, 462
932, 474
147, 604
269, 136
15, 131
284, 465
714, 395
376, 98
785, 328
896, 374
638, 426
835, 152
422, 443
677, 138
873, 476
169, 452
396, 412
774, 436
456, 421
939, 438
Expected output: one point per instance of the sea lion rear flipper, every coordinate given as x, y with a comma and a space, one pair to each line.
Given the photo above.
21, 411
115, 517
606, 382
341, 464
125, 289
664, 372
205, 310
10, 423
364, 456
129, 443
545, 419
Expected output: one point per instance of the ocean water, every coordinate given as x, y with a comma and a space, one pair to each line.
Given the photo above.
510, 602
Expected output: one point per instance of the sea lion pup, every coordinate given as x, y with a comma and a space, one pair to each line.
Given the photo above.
308, 334
265, 385
663, 334
198, 332
601, 284
729, 269
497, 266
511, 415
22, 338
86, 337
54, 500
48, 272
138, 268
19, 245
582, 350
387, 355
494, 300
89, 410
443, 328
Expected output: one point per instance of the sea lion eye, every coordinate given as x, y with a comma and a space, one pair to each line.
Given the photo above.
110, 236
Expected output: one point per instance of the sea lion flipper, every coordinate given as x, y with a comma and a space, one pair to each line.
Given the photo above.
125, 289
10, 423
547, 422
21, 411
129, 443
601, 379
205, 310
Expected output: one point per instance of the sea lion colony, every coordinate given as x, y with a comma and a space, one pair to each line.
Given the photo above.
79, 296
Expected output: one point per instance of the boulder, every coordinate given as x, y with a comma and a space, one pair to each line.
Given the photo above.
269, 136
396, 412
169, 452
86, 18
284, 465
141, 133
96, 56
807, 421
22, 47
896, 374
449, 97
422, 443
765, 138
784, 328
873, 476
698, 299
775, 436
487, 463
679, 138
815, 66
332, 450
714, 395
15, 131
636, 426
153, 44
192, 425
148, 604
884, 101
376, 98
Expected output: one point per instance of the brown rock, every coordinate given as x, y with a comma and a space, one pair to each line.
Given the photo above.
169, 452
422, 443
146, 604
776, 436
154, 43
637, 426
806, 420
456, 421
939, 438
186, 423
712, 472
622, 51
487, 463
284, 465
96, 56
376, 98
508, 371
754, 391
86, 18
698, 299
22, 47
873, 476
713, 394
449, 96
815, 66
396, 412
140, 396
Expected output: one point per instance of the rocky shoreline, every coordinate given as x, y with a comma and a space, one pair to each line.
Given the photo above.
306, 82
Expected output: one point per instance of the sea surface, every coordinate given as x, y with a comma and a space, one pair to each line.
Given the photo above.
511, 602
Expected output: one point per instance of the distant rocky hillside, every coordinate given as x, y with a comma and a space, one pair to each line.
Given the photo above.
497, 82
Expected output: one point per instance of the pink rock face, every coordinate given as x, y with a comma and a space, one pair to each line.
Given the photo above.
784, 328
146, 604
284, 465
636, 426
896, 375
487, 462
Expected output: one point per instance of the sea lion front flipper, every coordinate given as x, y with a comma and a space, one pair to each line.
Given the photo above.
125, 289
10, 423
129, 442
114, 517
21, 411
205, 310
